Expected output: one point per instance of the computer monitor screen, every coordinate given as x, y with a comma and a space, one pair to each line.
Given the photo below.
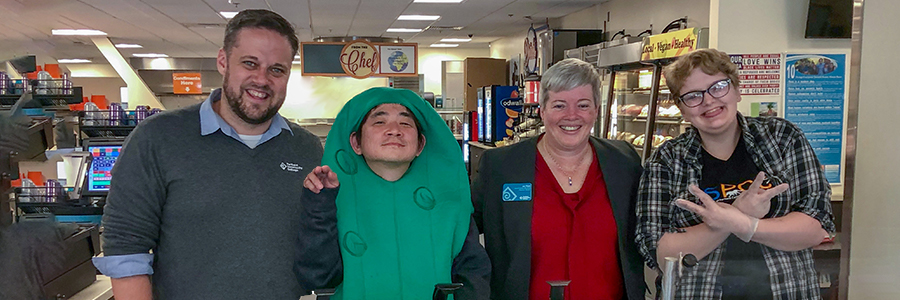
100, 173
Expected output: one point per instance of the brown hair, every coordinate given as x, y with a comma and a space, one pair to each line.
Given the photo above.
259, 18
710, 61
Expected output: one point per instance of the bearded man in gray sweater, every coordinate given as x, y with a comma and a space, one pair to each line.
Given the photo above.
213, 190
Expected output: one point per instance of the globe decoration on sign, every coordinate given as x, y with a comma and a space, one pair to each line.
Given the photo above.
398, 61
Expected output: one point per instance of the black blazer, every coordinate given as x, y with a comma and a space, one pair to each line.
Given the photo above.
507, 225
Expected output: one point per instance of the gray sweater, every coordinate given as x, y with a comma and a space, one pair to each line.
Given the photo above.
221, 219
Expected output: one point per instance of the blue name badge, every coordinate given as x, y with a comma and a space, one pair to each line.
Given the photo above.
517, 192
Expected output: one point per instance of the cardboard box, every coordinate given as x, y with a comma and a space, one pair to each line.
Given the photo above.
479, 72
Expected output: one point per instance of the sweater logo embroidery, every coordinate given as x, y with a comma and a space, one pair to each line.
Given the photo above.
291, 167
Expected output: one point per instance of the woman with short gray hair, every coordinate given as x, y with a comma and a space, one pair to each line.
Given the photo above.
561, 206
567, 75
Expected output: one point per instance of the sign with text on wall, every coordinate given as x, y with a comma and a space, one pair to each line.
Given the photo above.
186, 83
398, 60
670, 44
815, 92
760, 74
359, 59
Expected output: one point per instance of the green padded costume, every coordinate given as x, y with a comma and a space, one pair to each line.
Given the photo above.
398, 239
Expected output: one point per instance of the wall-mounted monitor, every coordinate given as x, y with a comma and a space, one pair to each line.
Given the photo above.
829, 19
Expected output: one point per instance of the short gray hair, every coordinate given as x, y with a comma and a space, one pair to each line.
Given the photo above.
568, 74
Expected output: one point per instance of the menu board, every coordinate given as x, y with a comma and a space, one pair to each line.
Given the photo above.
815, 93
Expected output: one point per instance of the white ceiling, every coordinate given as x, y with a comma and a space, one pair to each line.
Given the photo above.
193, 28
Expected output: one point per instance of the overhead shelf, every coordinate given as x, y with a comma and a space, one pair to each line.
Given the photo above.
107, 131
49, 98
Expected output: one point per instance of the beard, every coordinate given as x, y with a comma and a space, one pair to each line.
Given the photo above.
248, 112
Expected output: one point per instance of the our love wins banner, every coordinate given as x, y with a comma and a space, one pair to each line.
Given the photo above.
359, 59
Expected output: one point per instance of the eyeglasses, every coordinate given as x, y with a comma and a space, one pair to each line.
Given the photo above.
718, 90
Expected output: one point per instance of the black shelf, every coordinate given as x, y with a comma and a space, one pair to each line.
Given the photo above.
107, 131
38, 196
41, 204
107, 123
65, 97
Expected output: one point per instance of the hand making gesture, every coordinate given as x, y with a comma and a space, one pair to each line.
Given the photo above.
756, 201
321, 178
723, 216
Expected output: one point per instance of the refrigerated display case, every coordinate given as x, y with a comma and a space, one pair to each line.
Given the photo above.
502, 106
639, 107
642, 111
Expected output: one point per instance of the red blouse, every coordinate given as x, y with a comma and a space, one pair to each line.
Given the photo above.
573, 237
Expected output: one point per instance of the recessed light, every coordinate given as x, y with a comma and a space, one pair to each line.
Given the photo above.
77, 32
403, 30
73, 61
149, 55
437, 1
444, 45
456, 40
128, 46
228, 14
418, 18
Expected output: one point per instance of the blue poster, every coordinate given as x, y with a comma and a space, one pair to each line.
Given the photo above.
814, 101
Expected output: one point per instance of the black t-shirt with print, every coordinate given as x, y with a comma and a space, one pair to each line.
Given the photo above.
744, 273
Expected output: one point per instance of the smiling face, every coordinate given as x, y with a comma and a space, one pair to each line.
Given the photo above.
256, 71
715, 116
388, 135
569, 117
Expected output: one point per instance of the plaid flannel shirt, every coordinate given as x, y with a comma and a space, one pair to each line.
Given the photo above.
779, 148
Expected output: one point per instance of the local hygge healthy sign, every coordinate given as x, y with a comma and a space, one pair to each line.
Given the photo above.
667, 45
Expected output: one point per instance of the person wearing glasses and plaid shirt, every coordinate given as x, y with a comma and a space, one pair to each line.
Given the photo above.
746, 196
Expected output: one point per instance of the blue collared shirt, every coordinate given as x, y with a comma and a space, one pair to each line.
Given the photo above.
211, 122
119, 266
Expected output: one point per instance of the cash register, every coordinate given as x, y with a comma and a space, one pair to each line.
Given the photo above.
55, 256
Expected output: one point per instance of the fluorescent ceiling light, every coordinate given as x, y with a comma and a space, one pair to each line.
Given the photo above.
444, 45
403, 30
73, 61
77, 32
296, 62
228, 14
437, 1
418, 18
149, 55
128, 46
456, 40
296, 56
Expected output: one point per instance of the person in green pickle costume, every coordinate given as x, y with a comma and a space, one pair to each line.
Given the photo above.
403, 201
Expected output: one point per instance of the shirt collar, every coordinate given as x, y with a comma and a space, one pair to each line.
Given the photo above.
211, 122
